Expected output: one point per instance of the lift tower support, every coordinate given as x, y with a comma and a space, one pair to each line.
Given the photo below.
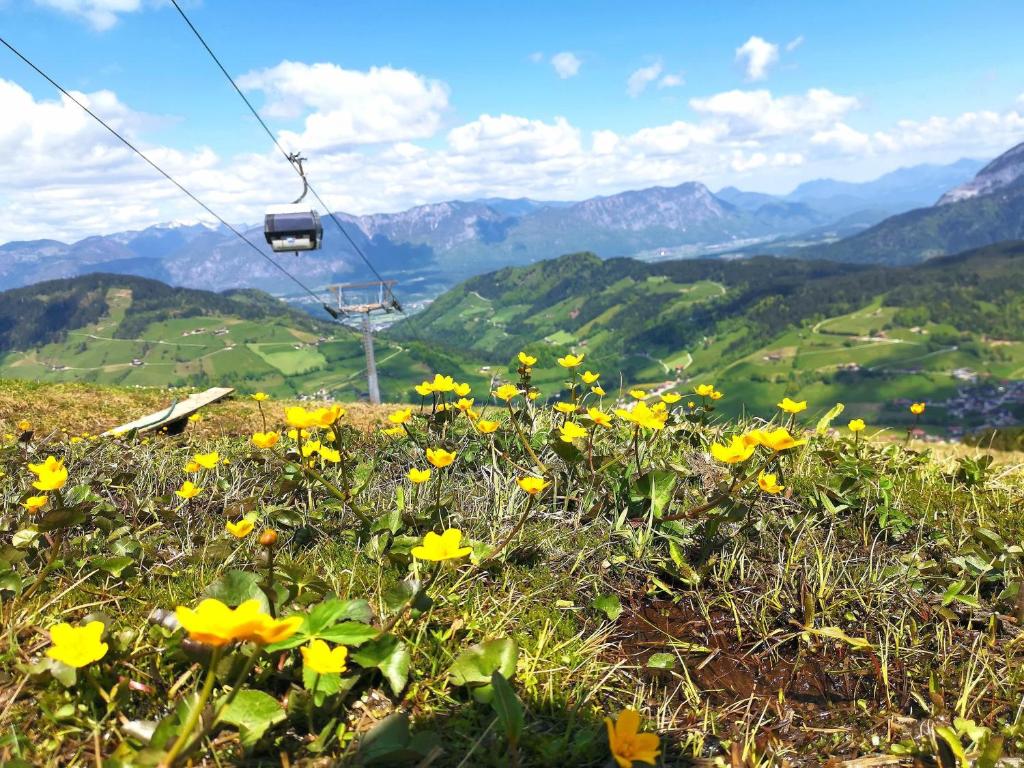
381, 299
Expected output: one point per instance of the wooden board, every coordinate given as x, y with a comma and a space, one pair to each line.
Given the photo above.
174, 414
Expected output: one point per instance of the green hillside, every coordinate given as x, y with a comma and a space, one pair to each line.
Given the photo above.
760, 328
129, 331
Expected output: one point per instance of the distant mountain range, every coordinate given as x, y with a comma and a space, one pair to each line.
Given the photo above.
987, 209
431, 247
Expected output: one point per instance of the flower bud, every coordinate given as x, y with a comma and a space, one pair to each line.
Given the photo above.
268, 538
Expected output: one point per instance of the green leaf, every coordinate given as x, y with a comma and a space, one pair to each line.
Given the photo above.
657, 487
662, 661
253, 712
826, 421
953, 756
235, 587
349, 633
609, 605
389, 743
475, 666
391, 656
112, 565
685, 572
65, 517
507, 707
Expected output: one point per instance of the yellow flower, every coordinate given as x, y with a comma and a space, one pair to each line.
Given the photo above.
599, 417
192, 466
298, 417
792, 406
424, 389
527, 360
35, 503
769, 483
462, 389
76, 439
310, 447
441, 547
241, 529
188, 490
259, 397
442, 383
705, 390
533, 394
570, 361
24, 425
589, 377
403, 416
329, 454
716, 395
195, 418
487, 427
638, 394
506, 392
439, 457
597, 390
780, 440
754, 437
213, 623
50, 477
532, 485
323, 659
566, 407
734, 453
394, 431
571, 431
464, 404
265, 439
77, 646
207, 460
50, 465
917, 409
671, 397
325, 417
626, 742
418, 475
643, 416
856, 425
691, 404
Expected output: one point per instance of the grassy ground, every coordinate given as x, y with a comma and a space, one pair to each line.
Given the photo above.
869, 608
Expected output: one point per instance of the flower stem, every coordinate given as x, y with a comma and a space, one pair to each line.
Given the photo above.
194, 714
525, 442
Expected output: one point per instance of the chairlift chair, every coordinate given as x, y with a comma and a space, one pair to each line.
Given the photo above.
294, 227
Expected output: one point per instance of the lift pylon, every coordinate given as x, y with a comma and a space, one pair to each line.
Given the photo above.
381, 299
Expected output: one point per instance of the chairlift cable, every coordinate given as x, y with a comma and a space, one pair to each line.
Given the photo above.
162, 172
288, 156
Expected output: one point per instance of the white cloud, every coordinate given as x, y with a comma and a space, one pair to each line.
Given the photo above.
642, 77
843, 137
518, 138
537, 57
671, 81
758, 114
100, 14
65, 177
795, 43
566, 64
757, 55
346, 107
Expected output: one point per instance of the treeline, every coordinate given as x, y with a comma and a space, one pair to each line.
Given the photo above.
45, 312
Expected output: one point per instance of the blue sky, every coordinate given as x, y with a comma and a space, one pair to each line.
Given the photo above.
404, 103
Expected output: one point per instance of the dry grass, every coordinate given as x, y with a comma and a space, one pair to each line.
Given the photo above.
76, 409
